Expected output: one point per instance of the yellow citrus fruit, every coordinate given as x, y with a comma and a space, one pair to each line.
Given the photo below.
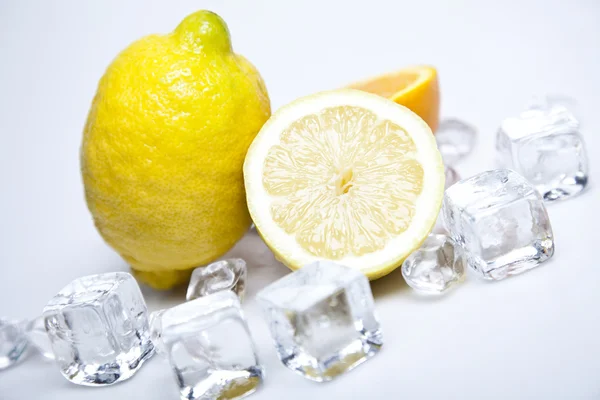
164, 145
414, 87
346, 176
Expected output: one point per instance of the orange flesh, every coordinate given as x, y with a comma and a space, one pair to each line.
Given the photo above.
415, 88
388, 85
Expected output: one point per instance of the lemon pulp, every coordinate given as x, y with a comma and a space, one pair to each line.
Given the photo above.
344, 181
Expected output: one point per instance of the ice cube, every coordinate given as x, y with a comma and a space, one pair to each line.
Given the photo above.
451, 178
13, 342
221, 275
156, 331
455, 139
38, 337
554, 99
210, 348
436, 266
98, 327
545, 146
322, 320
500, 221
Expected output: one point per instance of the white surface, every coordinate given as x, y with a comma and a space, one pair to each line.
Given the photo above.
530, 337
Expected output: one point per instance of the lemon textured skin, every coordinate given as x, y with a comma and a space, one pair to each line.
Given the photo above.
164, 145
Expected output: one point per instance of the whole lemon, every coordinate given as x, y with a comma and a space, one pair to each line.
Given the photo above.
164, 145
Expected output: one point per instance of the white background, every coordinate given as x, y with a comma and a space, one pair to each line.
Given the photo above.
535, 336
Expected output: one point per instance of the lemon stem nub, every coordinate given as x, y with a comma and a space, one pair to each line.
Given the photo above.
204, 32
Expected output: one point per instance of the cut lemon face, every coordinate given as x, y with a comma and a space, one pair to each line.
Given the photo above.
346, 176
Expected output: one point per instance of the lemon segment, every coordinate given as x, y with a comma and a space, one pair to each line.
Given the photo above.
345, 176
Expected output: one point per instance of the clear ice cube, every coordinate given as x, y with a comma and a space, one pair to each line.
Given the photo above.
98, 327
38, 337
156, 331
322, 320
210, 349
13, 342
436, 266
221, 275
455, 140
500, 221
545, 146
451, 178
550, 100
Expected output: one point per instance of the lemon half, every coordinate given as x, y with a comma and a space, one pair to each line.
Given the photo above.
346, 176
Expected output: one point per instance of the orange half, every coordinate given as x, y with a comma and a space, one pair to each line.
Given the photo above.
413, 87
